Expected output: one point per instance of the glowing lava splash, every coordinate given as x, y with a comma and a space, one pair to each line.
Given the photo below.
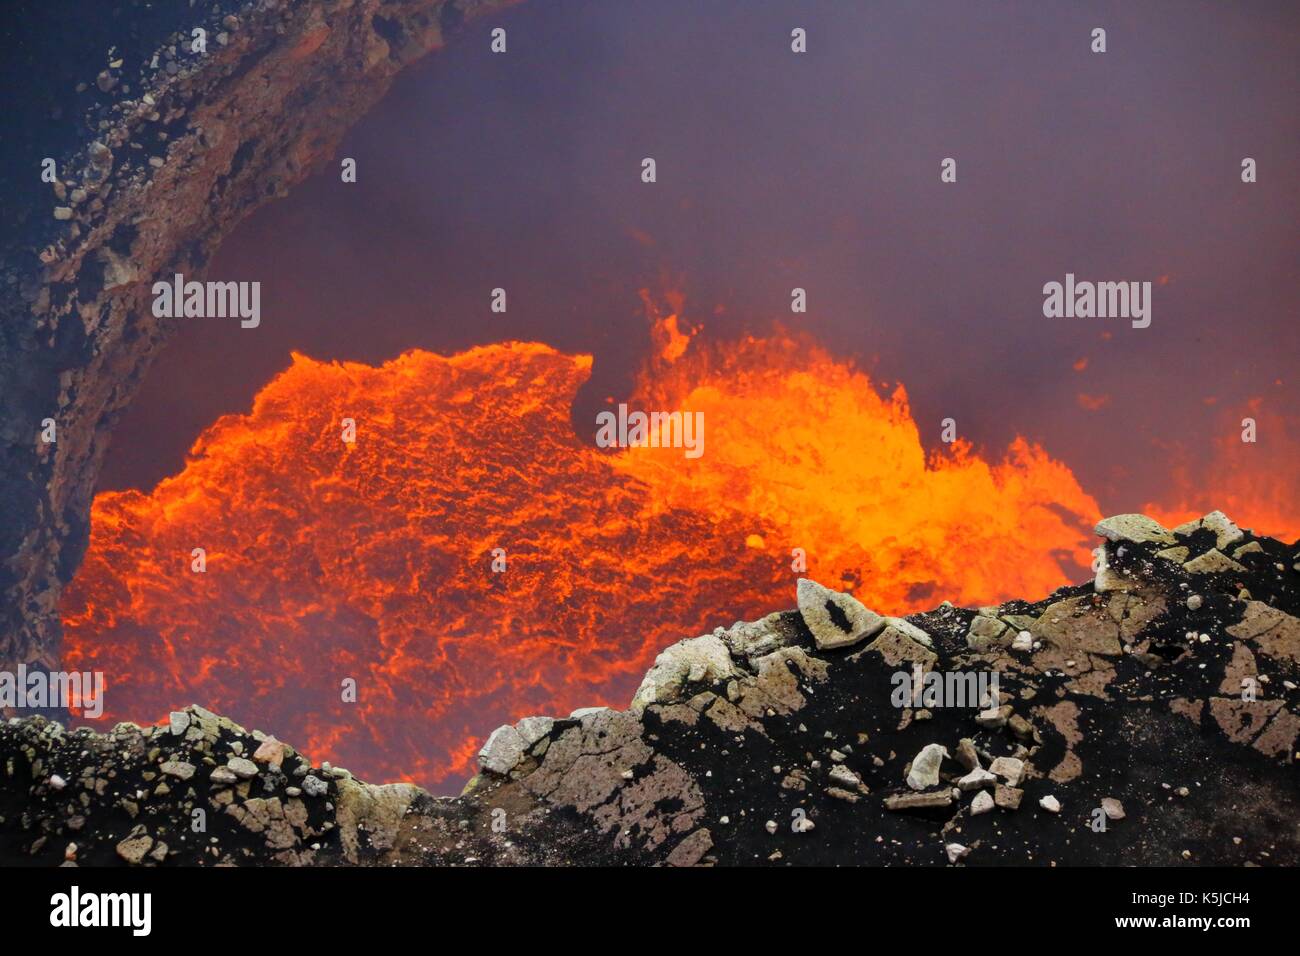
373, 561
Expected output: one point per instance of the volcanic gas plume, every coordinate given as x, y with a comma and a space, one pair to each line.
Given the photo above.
373, 560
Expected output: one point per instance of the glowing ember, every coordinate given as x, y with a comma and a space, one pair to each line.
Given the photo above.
373, 560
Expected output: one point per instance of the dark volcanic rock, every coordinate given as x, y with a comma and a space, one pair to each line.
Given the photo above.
1153, 721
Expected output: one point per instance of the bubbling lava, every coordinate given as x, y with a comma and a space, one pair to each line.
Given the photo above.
372, 562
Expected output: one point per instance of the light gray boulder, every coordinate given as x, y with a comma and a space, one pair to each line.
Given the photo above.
690, 661
504, 748
834, 618
1135, 528
925, 768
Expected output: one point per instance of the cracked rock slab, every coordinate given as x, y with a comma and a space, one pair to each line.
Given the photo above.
1226, 532
503, 750
834, 618
1274, 632
1134, 527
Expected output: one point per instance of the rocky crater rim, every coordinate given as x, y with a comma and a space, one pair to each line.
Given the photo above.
1150, 715
836, 621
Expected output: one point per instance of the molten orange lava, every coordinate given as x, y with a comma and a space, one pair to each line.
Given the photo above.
373, 561
1255, 482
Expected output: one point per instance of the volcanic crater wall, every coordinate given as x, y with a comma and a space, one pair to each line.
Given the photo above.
171, 151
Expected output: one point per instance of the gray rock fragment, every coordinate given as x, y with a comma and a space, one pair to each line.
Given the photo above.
533, 729
693, 660
845, 777
976, 780
925, 768
835, 619
242, 767
1245, 549
503, 750
1226, 532
1213, 561
983, 803
178, 769
984, 632
1134, 527
134, 848
1010, 769
919, 801
910, 631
